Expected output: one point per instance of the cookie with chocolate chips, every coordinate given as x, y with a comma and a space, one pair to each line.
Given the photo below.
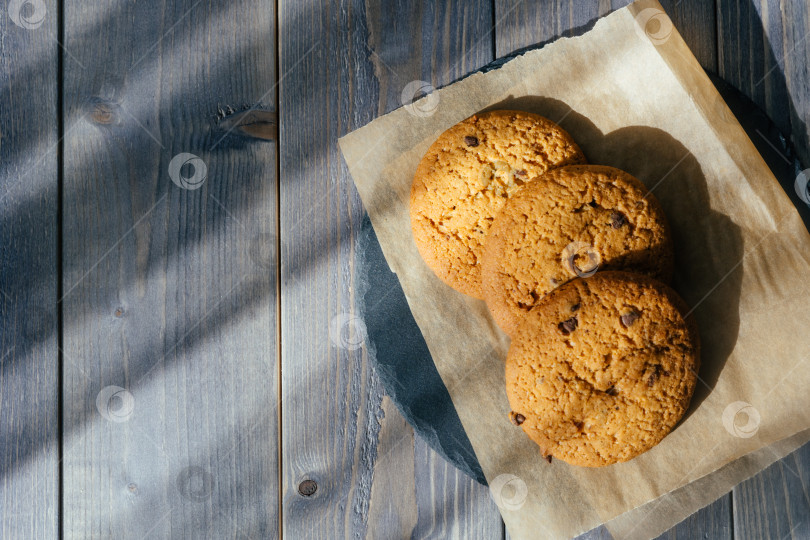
569, 223
603, 368
466, 176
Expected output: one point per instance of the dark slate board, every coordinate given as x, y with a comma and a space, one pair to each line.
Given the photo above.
399, 352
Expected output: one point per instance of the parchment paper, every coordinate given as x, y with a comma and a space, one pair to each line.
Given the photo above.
633, 96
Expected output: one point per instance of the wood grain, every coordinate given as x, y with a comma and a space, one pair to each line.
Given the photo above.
375, 479
795, 28
763, 47
713, 521
417, 494
29, 165
522, 24
750, 45
449, 504
775, 503
169, 304
695, 20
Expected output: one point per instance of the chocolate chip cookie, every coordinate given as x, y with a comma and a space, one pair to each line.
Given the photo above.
466, 176
603, 368
569, 223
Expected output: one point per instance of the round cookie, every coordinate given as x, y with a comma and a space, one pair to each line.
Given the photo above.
603, 368
464, 179
566, 224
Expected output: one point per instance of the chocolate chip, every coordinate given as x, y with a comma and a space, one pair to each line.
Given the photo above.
521, 174
578, 425
469, 140
517, 418
654, 376
568, 326
611, 391
575, 307
629, 318
585, 206
617, 220
547, 458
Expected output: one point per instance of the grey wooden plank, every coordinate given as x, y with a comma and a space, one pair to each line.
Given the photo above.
449, 504
775, 503
712, 521
695, 20
522, 24
795, 32
750, 45
29, 398
417, 494
345, 63
170, 375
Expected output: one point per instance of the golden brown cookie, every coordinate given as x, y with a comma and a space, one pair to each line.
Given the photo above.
603, 368
569, 223
464, 179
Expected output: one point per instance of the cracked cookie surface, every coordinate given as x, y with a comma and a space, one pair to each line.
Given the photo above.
466, 176
569, 223
603, 368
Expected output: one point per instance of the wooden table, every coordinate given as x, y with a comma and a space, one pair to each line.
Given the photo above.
166, 367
